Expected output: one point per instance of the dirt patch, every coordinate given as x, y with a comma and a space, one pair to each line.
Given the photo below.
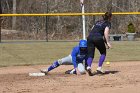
16, 80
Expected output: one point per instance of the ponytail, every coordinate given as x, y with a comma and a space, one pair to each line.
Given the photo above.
107, 15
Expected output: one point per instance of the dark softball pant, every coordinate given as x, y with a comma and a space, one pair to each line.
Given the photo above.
97, 42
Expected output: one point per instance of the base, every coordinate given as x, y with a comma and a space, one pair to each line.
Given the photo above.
37, 74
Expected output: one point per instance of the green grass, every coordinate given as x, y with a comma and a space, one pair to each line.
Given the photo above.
46, 52
124, 51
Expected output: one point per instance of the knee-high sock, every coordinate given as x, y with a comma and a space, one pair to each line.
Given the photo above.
101, 60
89, 61
53, 66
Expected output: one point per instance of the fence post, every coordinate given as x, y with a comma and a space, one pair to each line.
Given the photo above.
14, 17
46, 24
0, 20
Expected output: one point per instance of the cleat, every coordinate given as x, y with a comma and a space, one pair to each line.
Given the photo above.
89, 71
70, 71
44, 71
100, 70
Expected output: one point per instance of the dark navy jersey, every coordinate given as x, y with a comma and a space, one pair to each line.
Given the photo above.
78, 56
98, 29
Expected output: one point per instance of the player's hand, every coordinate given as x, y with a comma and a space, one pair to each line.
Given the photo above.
109, 45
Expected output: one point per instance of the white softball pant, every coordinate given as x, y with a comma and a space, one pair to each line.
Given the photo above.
68, 60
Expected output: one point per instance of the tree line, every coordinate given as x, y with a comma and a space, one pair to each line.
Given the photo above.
66, 26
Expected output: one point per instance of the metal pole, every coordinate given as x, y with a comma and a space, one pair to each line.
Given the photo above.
0, 20
14, 17
84, 25
46, 24
0, 29
83, 19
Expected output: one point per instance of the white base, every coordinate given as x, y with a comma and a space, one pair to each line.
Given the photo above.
37, 74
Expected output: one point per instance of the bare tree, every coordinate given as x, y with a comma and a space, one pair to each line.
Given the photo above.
65, 26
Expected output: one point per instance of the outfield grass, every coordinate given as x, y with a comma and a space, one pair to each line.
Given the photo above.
34, 53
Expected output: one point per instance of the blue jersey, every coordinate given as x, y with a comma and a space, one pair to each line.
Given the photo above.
78, 56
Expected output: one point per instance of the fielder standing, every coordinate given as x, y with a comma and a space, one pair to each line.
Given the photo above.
97, 38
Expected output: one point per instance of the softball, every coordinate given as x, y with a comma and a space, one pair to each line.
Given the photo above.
108, 63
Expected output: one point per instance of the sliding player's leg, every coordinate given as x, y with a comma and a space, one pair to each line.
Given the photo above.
57, 64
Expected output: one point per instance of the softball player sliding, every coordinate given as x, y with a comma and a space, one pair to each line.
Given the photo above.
77, 56
97, 38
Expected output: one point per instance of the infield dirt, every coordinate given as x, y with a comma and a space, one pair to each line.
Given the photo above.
126, 80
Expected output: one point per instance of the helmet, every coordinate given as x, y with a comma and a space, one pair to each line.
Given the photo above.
82, 43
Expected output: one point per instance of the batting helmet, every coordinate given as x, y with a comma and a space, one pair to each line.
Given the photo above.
82, 43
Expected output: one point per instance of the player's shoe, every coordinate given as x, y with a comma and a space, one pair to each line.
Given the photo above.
68, 71
100, 70
44, 71
73, 71
89, 71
